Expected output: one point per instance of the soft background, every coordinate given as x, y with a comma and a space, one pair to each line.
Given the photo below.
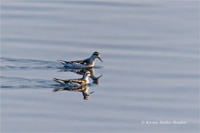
151, 65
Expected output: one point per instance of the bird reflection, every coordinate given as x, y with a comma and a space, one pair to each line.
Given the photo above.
84, 89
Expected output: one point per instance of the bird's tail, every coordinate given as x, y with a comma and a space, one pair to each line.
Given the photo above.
58, 80
62, 61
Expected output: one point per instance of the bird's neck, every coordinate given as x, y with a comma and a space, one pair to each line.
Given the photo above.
86, 78
92, 60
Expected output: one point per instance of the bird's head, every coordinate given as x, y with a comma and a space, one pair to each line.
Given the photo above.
97, 55
86, 74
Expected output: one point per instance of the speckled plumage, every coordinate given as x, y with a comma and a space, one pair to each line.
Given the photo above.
85, 63
74, 82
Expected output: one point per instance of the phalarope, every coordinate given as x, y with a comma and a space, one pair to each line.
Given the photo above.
82, 71
75, 82
86, 63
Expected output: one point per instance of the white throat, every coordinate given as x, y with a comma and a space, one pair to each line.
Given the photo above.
87, 80
85, 76
92, 60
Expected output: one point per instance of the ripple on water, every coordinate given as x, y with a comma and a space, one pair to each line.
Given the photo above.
26, 64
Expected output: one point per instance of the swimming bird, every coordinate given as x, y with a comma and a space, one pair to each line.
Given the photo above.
82, 71
85, 63
75, 82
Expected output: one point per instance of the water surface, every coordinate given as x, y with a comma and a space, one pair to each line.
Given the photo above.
150, 69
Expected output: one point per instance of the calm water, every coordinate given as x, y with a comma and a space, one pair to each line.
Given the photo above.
150, 69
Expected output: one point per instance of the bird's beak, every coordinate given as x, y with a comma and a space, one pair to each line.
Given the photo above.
100, 59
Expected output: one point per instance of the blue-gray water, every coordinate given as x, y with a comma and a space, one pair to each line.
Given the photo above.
150, 70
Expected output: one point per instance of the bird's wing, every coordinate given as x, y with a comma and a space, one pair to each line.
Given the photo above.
77, 61
76, 81
59, 80
64, 81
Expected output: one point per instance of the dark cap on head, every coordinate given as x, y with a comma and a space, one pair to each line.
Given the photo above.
85, 95
96, 53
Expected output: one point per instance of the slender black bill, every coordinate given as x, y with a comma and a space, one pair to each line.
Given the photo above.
100, 59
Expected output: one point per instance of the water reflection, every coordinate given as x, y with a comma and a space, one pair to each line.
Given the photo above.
78, 85
84, 89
